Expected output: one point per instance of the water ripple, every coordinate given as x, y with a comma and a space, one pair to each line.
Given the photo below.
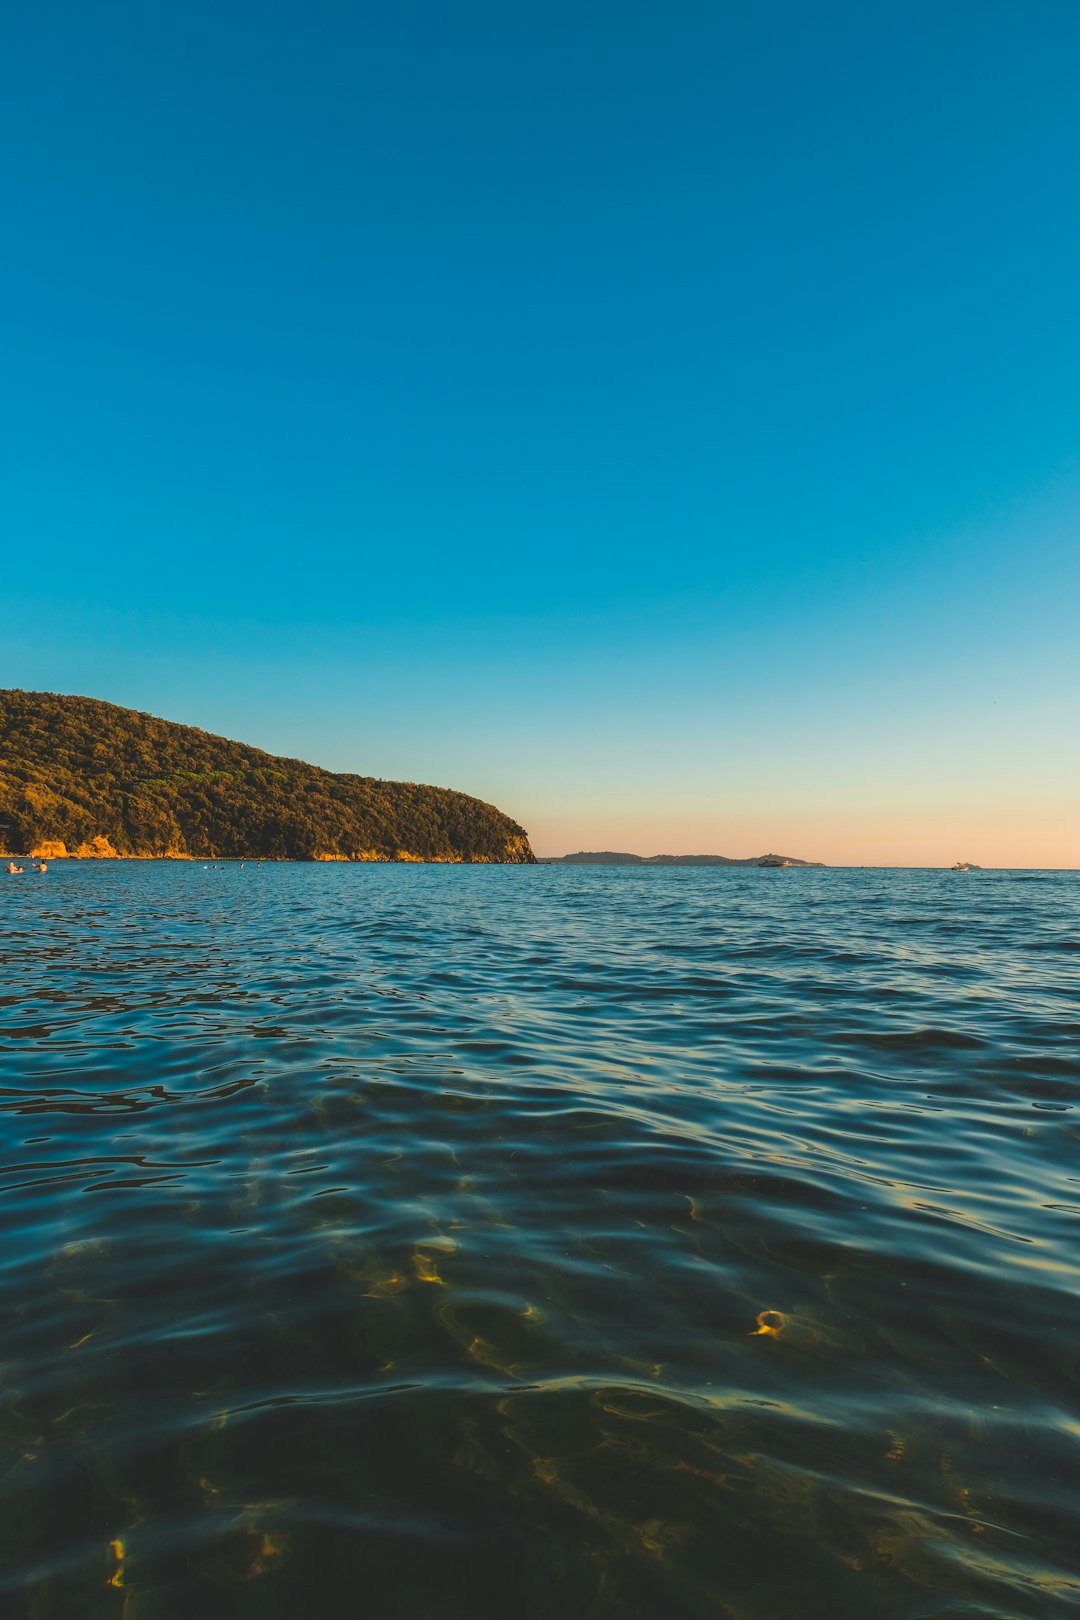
547, 1242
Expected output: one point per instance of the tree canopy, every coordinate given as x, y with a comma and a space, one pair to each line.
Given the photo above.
102, 780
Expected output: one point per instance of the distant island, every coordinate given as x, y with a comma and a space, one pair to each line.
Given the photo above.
83, 778
609, 857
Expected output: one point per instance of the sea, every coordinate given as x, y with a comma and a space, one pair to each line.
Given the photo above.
539, 1243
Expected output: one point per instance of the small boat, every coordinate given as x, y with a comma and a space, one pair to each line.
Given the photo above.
965, 866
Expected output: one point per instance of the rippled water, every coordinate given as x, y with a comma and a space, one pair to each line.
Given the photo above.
434, 1243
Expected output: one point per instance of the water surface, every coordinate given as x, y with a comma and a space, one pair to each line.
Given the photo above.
539, 1242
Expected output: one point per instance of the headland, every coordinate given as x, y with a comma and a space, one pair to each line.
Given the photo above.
87, 779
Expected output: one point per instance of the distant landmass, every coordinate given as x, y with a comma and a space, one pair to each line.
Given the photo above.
610, 857
84, 778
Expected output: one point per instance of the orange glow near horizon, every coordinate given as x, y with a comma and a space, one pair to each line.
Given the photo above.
1050, 841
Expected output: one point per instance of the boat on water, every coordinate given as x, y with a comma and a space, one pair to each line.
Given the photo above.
965, 866
773, 860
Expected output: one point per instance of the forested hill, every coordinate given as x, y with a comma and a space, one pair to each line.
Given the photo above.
81, 777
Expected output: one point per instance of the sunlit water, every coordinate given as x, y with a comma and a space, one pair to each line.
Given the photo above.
433, 1243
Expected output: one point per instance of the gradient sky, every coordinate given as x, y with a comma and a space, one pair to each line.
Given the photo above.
660, 420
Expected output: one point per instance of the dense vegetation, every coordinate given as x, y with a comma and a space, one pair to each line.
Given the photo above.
100, 780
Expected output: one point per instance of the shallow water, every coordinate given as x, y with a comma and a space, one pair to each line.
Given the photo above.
539, 1242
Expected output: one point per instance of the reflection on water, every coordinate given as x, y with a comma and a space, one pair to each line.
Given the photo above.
484, 1242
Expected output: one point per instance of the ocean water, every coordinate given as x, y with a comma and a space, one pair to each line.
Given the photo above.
435, 1243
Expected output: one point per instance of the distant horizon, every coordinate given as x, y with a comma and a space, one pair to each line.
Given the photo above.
736, 837
812, 862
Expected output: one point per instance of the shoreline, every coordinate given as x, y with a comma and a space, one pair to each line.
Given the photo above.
366, 859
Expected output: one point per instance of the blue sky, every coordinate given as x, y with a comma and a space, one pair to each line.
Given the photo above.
661, 421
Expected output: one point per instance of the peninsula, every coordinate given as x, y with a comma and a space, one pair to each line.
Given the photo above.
610, 857
84, 778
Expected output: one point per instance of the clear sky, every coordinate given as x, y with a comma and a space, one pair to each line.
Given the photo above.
660, 420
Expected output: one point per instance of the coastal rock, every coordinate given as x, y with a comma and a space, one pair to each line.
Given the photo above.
48, 849
95, 849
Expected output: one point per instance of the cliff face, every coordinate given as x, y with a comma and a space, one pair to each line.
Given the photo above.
81, 777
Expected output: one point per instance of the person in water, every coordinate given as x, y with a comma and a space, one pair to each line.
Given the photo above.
12, 867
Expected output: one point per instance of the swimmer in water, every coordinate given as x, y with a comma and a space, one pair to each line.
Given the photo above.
12, 867
43, 866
